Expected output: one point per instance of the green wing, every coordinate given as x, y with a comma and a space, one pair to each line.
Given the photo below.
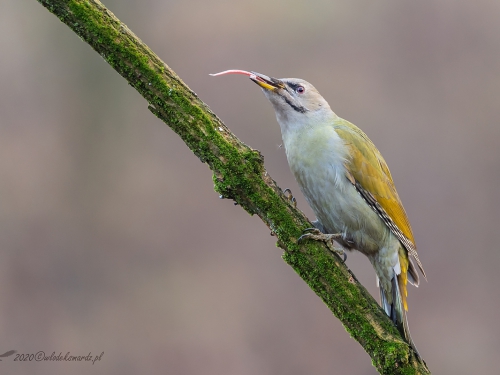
369, 172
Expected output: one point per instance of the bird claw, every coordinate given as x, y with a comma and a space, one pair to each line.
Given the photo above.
306, 234
288, 195
316, 235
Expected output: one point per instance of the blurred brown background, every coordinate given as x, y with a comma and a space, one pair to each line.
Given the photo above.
112, 238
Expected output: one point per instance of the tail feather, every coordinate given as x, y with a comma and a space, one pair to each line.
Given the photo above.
399, 308
395, 307
383, 300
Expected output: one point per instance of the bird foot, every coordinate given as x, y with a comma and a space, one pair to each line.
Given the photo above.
288, 195
316, 235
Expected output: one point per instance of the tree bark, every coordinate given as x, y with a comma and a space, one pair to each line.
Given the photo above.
239, 174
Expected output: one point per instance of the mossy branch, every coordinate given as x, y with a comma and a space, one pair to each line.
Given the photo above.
239, 174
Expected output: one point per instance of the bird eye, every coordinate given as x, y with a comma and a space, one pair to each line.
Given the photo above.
300, 89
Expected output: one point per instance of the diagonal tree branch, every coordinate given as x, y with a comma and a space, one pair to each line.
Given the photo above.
239, 174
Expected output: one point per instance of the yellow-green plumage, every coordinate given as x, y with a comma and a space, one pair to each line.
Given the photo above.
367, 167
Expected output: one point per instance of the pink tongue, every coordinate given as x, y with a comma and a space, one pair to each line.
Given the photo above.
244, 72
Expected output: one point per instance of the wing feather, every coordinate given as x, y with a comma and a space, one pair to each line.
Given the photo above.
373, 180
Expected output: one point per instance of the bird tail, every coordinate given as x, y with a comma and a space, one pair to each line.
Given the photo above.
397, 308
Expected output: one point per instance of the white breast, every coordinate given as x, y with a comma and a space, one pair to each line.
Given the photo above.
317, 158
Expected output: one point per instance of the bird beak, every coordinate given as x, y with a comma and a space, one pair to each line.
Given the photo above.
268, 83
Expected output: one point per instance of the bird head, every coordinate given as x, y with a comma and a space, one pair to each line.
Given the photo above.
295, 101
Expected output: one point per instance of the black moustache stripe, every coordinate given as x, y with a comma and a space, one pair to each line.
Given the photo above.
300, 109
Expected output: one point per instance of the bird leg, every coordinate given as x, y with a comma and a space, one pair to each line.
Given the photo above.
288, 195
316, 235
